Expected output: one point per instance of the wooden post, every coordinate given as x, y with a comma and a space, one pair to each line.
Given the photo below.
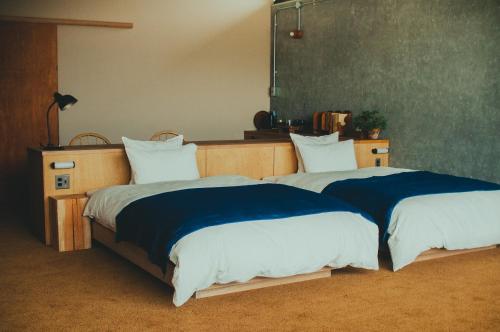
70, 230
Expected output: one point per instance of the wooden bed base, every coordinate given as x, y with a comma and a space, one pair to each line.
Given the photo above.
437, 253
440, 253
139, 257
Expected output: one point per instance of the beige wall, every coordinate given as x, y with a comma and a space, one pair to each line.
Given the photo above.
194, 66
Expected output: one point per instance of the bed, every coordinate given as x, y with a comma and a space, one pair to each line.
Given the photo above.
271, 246
98, 167
454, 221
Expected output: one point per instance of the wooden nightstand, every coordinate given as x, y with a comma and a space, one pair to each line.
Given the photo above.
70, 230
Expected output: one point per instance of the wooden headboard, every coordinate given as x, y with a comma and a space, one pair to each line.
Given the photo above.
103, 166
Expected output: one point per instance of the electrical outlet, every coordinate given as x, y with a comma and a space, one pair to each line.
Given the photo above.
378, 162
62, 181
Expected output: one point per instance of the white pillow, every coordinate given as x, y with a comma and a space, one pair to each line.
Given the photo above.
161, 165
169, 144
299, 140
329, 157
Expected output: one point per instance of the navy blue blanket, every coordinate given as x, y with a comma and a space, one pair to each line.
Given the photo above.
378, 195
157, 222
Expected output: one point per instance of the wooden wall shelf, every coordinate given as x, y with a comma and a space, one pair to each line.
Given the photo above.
62, 21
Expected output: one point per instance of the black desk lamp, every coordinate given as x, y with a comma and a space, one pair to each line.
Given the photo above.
63, 102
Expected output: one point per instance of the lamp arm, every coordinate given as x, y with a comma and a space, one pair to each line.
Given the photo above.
49, 143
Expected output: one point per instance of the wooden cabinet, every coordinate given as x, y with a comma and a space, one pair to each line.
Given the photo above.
94, 168
70, 230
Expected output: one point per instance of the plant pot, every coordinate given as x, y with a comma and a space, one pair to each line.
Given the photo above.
374, 133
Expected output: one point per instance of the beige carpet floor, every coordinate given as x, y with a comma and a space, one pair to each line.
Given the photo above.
95, 290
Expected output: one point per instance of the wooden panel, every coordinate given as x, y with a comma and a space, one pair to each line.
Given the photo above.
50, 188
92, 171
96, 169
82, 235
62, 232
28, 79
366, 158
102, 166
285, 159
60, 21
201, 158
253, 161
70, 231
440, 253
260, 282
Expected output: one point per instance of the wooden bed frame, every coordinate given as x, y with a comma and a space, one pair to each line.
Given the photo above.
440, 253
139, 257
101, 166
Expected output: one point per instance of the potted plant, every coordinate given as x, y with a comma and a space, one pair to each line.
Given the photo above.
371, 123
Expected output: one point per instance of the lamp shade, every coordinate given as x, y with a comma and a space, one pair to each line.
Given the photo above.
64, 101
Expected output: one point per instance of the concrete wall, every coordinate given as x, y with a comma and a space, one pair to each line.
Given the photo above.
431, 66
193, 66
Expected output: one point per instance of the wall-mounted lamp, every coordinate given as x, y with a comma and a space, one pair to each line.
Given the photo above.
63, 165
380, 151
298, 33
63, 102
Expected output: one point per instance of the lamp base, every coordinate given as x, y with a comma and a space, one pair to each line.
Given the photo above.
52, 147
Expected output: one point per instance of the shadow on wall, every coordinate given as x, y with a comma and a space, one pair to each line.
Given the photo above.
432, 67
225, 80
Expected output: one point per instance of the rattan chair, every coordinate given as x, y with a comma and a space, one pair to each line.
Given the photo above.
163, 135
89, 139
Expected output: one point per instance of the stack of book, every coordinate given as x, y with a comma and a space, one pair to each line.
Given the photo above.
330, 122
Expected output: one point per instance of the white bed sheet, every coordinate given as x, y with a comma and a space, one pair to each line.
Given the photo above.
451, 221
242, 251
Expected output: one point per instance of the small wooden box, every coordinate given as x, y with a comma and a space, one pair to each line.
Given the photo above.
70, 229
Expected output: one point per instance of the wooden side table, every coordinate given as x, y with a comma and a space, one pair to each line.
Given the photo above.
70, 229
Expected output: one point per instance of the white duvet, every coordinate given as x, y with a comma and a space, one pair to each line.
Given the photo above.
451, 221
241, 251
